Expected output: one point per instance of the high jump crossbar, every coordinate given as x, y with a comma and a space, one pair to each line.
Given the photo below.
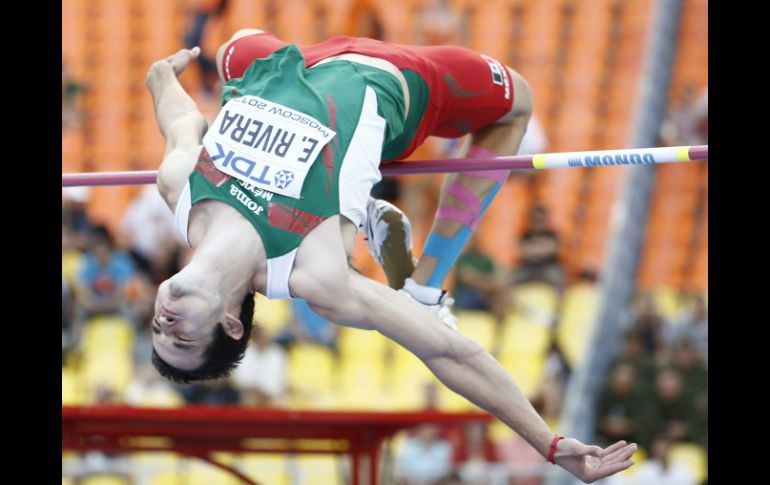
597, 158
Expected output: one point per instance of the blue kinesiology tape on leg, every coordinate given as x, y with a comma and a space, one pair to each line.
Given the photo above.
447, 250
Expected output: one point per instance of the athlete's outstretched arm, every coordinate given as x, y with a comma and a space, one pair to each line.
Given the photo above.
348, 298
179, 120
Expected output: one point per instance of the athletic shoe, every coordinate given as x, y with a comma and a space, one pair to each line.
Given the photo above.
386, 225
440, 307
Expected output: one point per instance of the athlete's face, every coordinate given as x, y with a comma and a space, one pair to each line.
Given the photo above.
183, 324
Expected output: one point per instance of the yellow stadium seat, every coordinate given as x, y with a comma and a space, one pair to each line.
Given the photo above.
577, 320
104, 479
352, 399
693, 457
69, 463
114, 371
406, 369
312, 470
107, 335
537, 300
499, 431
477, 325
553, 423
71, 262
161, 466
361, 343
360, 380
167, 478
523, 336
526, 369
311, 375
406, 381
157, 398
69, 388
668, 301
272, 315
403, 398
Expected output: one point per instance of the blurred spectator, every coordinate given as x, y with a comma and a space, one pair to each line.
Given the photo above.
439, 24
148, 388
556, 365
213, 392
71, 256
699, 421
693, 371
262, 375
474, 454
672, 412
139, 293
74, 214
681, 126
479, 284
550, 393
66, 316
692, 327
142, 351
204, 11
430, 396
650, 325
620, 406
632, 352
695, 388
451, 432
659, 470
364, 20
424, 457
307, 326
105, 394
540, 253
147, 230
71, 91
167, 260
103, 276
110, 467
454, 479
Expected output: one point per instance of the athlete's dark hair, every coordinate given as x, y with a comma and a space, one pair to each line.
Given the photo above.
220, 358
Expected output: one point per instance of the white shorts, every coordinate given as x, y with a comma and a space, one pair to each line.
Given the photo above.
361, 165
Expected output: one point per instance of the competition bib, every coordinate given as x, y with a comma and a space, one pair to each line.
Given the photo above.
266, 144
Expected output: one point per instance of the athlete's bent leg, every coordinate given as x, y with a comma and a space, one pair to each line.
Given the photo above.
466, 196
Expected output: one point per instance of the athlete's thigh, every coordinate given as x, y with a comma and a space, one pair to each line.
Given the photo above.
472, 90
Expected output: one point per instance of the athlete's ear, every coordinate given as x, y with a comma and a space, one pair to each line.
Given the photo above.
232, 327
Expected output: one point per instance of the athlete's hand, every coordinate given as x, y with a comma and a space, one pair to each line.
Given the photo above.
590, 463
177, 62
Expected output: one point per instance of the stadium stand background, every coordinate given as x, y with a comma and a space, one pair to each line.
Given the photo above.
583, 61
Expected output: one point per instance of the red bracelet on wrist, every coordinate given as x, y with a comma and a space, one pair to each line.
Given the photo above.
552, 451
